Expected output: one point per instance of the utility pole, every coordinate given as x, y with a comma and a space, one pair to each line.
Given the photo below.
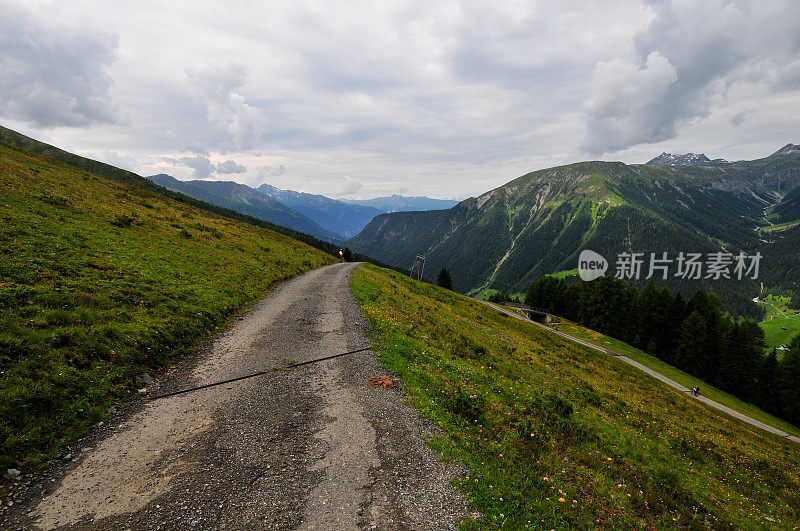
419, 267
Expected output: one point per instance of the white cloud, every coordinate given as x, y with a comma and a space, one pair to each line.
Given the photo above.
267, 172
443, 99
53, 73
227, 109
204, 168
228, 167
710, 47
625, 103
350, 186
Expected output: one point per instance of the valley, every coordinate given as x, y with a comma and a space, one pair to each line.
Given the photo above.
107, 283
537, 224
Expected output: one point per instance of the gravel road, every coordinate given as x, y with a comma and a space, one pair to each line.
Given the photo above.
307, 448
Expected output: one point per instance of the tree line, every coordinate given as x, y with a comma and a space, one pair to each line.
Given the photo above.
694, 335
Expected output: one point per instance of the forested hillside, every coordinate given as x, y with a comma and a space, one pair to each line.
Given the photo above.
538, 224
693, 335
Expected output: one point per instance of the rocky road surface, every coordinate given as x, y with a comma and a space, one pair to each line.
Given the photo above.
308, 448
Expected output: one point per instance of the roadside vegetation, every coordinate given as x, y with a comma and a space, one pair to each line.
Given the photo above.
693, 335
677, 375
100, 281
555, 434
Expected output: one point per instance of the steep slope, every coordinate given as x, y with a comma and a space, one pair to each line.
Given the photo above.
30, 145
339, 217
100, 281
243, 199
783, 274
787, 209
25, 143
538, 223
399, 203
557, 435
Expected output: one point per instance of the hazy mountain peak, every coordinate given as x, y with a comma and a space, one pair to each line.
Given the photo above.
694, 159
787, 149
401, 203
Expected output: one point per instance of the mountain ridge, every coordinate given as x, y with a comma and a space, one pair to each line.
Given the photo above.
686, 159
537, 223
340, 217
241, 198
401, 203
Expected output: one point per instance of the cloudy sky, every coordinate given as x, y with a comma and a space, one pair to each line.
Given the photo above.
359, 99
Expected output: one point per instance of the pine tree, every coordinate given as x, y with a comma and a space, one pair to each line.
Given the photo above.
789, 381
444, 279
767, 394
692, 343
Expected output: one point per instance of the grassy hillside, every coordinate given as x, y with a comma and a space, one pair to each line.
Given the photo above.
30, 145
558, 435
100, 281
788, 209
677, 375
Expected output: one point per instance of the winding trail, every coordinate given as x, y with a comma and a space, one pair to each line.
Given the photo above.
654, 374
306, 448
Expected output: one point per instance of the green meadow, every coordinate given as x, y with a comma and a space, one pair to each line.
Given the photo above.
779, 317
555, 434
677, 375
100, 281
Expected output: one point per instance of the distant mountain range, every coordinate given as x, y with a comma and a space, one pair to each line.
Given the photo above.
320, 216
344, 219
686, 159
537, 224
245, 200
399, 203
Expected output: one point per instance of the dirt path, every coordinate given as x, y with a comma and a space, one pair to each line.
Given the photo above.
308, 448
654, 374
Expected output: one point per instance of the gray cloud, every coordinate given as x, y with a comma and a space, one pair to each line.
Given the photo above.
229, 167
204, 168
270, 171
53, 74
686, 60
446, 98
738, 119
350, 186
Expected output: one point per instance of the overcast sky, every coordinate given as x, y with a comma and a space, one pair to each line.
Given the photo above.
359, 99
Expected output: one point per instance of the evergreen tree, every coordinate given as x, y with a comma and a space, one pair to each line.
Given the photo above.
693, 342
732, 375
767, 394
706, 363
789, 381
444, 279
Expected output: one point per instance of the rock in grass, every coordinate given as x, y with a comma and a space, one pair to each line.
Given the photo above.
144, 379
12, 473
